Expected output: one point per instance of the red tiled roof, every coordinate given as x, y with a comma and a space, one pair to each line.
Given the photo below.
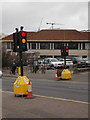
59, 35
54, 35
10, 37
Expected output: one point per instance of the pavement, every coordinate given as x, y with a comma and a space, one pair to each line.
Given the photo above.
81, 76
41, 107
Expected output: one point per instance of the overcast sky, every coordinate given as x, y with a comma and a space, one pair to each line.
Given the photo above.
35, 15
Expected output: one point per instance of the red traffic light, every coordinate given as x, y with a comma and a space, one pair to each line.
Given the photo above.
66, 47
23, 34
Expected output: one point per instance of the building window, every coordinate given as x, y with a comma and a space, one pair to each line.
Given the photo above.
73, 45
52, 46
44, 45
80, 46
87, 46
28, 45
12, 46
33, 45
8, 45
83, 45
58, 45
37, 45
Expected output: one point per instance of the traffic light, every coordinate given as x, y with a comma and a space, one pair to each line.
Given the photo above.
23, 40
15, 42
64, 51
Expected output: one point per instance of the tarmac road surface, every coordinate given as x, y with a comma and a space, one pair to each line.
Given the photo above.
41, 107
52, 99
62, 89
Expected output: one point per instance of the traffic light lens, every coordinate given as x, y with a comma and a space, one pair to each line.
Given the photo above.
66, 47
66, 50
23, 40
23, 34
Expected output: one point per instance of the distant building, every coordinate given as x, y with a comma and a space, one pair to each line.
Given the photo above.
2, 35
48, 42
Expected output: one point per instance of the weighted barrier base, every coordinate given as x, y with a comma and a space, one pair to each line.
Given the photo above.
18, 95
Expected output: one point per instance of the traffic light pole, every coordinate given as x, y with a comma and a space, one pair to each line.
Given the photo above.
21, 62
64, 62
20, 44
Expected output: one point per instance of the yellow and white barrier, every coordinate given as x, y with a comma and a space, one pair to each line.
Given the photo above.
21, 85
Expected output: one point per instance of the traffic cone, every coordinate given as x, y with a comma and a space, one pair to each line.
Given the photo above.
56, 77
29, 96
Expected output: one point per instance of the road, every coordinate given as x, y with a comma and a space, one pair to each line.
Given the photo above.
52, 99
62, 89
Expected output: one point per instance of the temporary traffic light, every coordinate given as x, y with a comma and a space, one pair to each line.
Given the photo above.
15, 42
23, 40
64, 51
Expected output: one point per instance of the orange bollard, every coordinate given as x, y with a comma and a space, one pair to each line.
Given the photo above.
29, 96
56, 77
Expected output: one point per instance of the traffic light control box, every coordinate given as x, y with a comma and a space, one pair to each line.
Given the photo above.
21, 85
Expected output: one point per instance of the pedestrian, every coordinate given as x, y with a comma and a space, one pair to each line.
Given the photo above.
43, 70
13, 69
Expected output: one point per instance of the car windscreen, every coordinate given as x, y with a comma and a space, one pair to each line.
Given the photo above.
86, 59
54, 60
68, 60
79, 59
45, 62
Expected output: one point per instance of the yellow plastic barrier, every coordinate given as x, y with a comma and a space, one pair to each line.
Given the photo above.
21, 85
66, 74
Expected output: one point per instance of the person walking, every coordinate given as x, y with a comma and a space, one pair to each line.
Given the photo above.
13, 69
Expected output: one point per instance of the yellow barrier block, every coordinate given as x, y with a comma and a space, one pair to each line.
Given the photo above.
21, 85
66, 74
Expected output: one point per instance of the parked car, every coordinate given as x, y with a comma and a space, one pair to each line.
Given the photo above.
68, 61
53, 63
0, 73
87, 61
78, 61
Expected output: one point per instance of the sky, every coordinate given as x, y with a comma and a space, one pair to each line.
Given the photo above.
34, 15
